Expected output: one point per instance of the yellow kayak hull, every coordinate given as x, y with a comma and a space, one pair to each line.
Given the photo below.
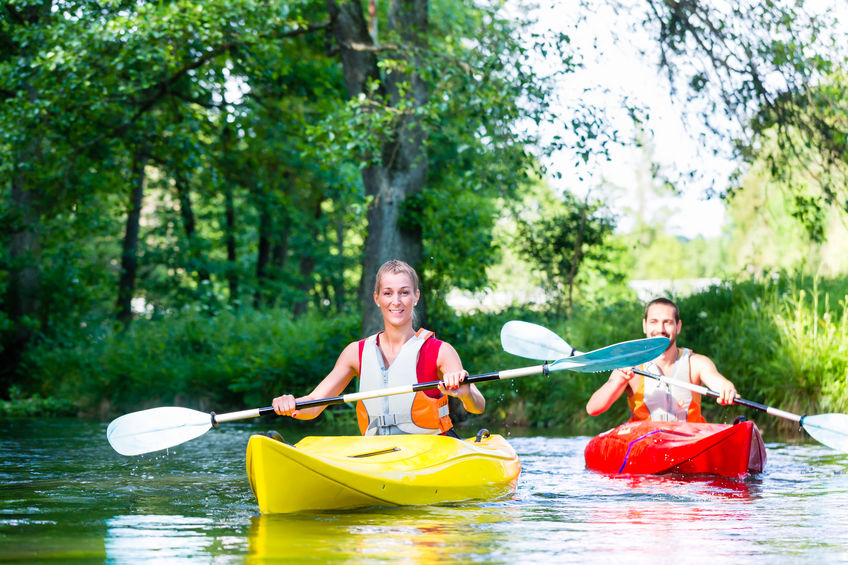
325, 473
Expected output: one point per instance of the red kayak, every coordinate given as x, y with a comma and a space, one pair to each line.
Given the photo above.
656, 448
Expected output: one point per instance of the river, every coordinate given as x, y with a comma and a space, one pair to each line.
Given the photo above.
67, 497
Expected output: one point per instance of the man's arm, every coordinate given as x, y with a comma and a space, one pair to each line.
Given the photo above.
704, 372
609, 392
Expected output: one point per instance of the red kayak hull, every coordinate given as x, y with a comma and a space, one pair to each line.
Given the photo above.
656, 448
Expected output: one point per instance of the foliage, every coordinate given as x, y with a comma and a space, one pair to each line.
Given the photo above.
252, 191
226, 361
802, 139
778, 70
761, 211
780, 340
664, 256
564, 239
19, 406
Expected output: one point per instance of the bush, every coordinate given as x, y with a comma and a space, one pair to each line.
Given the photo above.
232, 360
19, 406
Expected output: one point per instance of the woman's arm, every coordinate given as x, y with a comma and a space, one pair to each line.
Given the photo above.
333, 384
450, 368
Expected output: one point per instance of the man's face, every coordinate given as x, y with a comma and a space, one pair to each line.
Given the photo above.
660, 322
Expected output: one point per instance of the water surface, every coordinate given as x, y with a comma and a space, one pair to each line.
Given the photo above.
66, 496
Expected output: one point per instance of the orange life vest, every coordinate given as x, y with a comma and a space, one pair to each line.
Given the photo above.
654, 400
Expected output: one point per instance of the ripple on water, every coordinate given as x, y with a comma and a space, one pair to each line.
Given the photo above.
65, 492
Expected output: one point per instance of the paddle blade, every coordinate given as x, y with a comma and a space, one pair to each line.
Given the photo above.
624, 354
828, 429
155, 429
533, 341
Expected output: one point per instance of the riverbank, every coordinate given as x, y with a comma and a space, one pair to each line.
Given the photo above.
782, 341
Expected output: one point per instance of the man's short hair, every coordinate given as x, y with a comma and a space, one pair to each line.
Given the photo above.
665, 302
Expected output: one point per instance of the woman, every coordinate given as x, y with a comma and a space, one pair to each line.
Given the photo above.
396, 356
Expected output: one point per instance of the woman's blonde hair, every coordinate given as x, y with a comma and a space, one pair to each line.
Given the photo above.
395, 266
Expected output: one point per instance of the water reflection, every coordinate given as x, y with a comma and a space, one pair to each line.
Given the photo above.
143, 537
66, 497
698, 486
411, 535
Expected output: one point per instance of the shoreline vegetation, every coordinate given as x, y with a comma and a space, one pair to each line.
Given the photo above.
783, 341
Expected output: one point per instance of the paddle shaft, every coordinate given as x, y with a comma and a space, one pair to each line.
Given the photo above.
707, 392
160, 428
356, 396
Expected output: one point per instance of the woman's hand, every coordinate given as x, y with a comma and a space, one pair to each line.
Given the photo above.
285, 405
452, 384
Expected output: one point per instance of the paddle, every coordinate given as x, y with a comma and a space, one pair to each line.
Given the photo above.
160, 428
536, 342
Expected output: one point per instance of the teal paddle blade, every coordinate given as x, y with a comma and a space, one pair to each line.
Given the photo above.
533, 341
624, 354
828, 429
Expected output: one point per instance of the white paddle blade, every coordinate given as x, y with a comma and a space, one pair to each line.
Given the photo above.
155, 429
828, 429
624, 354
532, 341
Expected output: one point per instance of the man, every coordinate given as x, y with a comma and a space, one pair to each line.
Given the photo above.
650, 399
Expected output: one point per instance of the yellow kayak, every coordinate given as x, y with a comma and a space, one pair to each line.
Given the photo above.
323, 473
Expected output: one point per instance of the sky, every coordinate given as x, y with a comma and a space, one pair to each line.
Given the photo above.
612, 71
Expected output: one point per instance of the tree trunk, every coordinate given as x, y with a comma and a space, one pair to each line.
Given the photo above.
230, 231
402, 172
190, 225
229, 216
373, 20
24, 287
129, 255
280, 249
23, 282
306, 264
263, 255
23, 290
338, 275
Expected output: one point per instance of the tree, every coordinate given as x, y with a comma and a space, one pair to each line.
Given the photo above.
764, 71
397, 168
564, 237
440, 100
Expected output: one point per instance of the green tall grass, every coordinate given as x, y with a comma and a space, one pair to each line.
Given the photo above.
782, 341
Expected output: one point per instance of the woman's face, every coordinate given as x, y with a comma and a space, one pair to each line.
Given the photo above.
396, 299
